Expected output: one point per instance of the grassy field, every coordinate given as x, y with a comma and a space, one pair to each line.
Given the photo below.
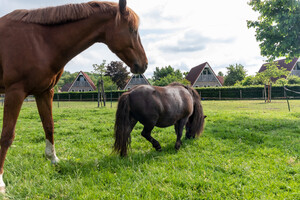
249, 150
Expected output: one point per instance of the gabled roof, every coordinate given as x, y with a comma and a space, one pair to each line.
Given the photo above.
289, 66
89, 80
195, 72
129, 80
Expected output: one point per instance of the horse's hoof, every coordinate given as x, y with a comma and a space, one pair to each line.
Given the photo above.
55, 160
158, 149
2, 189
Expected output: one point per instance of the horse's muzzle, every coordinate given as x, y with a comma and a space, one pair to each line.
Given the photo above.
137, 69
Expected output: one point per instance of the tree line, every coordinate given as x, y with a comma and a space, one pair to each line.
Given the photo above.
237, 76
115, 76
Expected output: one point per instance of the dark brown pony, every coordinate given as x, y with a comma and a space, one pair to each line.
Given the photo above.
174, 104
35, 45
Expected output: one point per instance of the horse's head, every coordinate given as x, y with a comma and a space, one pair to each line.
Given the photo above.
124, 40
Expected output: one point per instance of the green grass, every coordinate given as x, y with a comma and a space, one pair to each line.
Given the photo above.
249, 150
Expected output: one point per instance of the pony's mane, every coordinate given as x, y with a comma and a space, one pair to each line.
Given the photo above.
179, 84
70, 12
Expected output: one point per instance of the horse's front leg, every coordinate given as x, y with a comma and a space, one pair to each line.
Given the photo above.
44, 104
12, 106
179, 128
146, 133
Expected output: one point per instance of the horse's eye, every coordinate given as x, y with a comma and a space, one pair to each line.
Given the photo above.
131, 30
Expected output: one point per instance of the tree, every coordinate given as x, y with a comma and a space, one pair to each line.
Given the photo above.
118, 73
234, 74
293, 79
247, 81
277, 28
100, 69
66, 77
220, 73
281, 81
165, 71
166, 75
271, 73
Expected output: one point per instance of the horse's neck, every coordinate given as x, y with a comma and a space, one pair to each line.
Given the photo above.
72, 38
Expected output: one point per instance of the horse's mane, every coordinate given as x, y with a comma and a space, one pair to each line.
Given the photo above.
70, 12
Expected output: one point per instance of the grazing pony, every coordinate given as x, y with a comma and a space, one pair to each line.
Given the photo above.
174, 104
35, 45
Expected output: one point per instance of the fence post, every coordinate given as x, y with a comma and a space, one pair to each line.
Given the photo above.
265, 89
220, 95
111, 96
270, 92
287, 99
57, 99
241, 96
69, 97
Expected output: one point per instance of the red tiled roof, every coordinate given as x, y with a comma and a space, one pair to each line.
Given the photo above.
89, 80
221, 79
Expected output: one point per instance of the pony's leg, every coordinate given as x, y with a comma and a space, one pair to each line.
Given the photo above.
146, 133
179, 128
12, 106
44, 104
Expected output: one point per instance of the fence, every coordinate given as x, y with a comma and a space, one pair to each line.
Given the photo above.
218, 93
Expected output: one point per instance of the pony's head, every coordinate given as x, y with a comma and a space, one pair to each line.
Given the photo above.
124, 40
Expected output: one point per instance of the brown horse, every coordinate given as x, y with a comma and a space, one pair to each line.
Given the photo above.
35, 45
174, 104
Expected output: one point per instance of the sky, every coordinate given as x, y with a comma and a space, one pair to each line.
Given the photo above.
182, 34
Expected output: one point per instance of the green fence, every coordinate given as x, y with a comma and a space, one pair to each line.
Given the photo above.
219, 93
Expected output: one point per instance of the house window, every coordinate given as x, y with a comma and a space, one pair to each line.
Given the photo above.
297, 66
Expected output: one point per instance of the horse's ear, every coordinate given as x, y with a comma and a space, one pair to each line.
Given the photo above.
122, 6
205, 116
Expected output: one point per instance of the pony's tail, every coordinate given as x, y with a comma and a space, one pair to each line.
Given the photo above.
196, 121
122, 126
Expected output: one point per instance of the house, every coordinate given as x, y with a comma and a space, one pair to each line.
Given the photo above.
138, 79
204, 76
293, 67
82, 83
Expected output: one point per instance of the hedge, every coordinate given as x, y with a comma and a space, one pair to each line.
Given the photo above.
218, 93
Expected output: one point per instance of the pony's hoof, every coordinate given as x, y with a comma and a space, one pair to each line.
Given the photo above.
158, 149
177, 145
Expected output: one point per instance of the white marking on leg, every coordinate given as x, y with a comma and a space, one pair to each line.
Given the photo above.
2, 184
50, 152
